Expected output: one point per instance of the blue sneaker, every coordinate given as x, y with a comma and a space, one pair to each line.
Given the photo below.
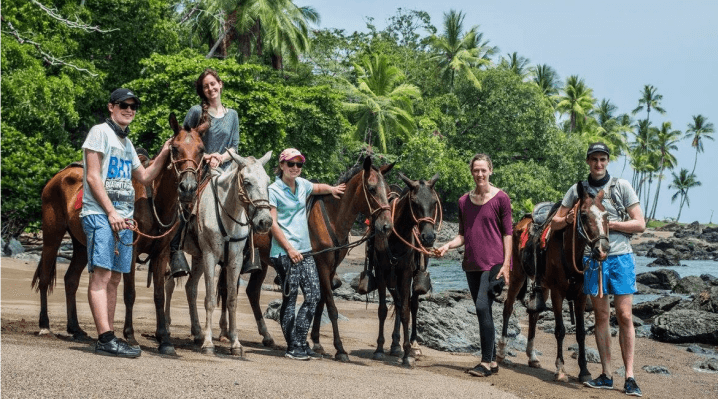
631, 388
602, 382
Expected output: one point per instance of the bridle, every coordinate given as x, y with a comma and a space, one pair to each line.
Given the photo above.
579, 228
196, 172
415, 229
374, 213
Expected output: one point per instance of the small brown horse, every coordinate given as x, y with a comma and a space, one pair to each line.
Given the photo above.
330, 221
563, 275
176, 184
415, 214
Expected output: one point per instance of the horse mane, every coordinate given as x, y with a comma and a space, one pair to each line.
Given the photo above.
352, 171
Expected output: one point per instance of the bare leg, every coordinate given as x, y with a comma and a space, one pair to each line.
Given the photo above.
602, 311
102, 296
627, 334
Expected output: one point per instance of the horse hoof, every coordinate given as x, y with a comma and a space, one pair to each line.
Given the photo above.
198, 340
342, 357
409, 362
534, 364
415, 353
584, 378
83, 337
268, 342
223, 338
208, 350
396, 351
45, 331
238, 352
561, 377
132, 341
378, 356
500, 359
167, 350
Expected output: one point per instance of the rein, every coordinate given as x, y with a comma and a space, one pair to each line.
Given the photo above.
136, 229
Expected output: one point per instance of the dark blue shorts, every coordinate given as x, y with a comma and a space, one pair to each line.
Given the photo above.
619, 275
101, 245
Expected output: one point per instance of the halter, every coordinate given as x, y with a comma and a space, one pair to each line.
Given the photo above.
578, 227
373, 212
415, 229
178, 173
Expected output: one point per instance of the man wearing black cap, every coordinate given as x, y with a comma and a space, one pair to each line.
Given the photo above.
108, 199
618, 270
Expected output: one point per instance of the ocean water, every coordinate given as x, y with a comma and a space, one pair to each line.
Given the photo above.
447, 274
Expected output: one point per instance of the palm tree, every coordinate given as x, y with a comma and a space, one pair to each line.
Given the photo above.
382, 103
641, 150
516, 64
683, 182
624, 126
649, 99
457, 52
547, 80
700, 129
278, 26
665, 143
577, 100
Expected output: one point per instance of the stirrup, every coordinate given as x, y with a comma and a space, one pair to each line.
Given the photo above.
178, 264
367, 283
422, 282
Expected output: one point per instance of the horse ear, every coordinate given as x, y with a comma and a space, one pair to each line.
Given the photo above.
263, 160
202, 129
241, 161
173, 123
408, 181
433, 180
367, 164
600, 195
386, 168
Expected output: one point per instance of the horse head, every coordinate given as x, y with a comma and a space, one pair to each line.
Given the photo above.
371, 186
424, 206
253, 183
186, 154
592, 222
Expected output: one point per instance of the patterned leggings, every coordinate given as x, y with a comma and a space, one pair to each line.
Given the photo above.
294, 276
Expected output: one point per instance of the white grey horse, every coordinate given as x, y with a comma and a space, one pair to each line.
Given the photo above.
233, 201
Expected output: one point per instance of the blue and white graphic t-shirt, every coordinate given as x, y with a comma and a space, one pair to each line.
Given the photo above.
118, 161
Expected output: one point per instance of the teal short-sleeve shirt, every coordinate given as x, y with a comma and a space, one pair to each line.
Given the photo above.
291, 214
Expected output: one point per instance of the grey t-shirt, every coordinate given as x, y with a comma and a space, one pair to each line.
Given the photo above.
223, 132
623, 194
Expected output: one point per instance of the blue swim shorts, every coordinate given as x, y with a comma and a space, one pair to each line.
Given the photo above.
619, 275
101, 245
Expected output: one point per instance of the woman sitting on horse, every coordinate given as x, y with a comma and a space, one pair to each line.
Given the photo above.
222, 134
485, 228
291, 246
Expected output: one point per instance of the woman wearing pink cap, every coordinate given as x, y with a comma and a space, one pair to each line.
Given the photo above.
290, 242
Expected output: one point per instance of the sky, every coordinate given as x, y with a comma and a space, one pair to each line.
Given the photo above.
617, 47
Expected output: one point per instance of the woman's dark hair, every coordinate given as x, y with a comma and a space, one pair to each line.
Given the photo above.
199, 86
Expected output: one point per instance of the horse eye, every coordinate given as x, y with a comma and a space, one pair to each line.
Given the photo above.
372, 190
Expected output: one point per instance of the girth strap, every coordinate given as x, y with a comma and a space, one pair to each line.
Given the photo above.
225, 237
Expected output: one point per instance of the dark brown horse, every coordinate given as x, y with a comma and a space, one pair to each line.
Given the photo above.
562, 255
415, 214
156, 211
330, 221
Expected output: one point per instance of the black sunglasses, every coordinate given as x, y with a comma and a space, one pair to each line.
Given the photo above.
132, 106
297, 164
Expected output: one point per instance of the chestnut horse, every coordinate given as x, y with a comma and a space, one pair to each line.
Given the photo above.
176, 184
330, 221
414, 214
235, 204
563, 275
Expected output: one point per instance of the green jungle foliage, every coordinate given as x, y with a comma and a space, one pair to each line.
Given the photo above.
388, 87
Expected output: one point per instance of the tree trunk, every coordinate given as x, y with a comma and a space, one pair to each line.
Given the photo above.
655, 199
680, 208
277, 62
695, 162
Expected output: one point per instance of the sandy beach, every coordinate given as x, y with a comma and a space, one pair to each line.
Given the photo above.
56, 366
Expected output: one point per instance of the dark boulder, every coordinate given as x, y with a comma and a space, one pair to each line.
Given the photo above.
710, 279
663, 279
686, 326
710, 365
665, 260
649, 310
690, 285
654, 253
692, 230
656, 370
642, 289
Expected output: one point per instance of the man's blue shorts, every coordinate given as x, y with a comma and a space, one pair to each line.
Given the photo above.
101, 245
619, 275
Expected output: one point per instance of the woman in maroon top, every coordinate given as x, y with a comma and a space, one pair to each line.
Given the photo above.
485, 228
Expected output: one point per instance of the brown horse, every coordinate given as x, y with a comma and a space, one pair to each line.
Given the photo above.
563, 275
414, 213
330, 221
176, 184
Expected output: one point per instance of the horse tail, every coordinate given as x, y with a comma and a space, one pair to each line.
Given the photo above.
522, 292
46, 279
222, 284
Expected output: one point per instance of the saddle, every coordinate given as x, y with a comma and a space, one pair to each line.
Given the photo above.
535, 238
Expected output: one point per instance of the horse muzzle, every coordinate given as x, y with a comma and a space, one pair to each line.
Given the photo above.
262, 222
